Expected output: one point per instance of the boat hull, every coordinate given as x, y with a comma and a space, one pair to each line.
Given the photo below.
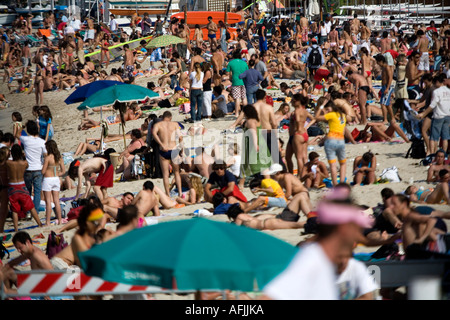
140, 12
201, 17
7, 18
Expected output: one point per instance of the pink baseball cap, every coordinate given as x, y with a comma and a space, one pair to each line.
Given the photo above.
333, 213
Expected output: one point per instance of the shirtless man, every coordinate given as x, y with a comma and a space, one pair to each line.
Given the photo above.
86, 169
19, 198
168, 135
24, 245
146, 201
438, 165
314, 171
362, 89
79, 47
412, 72
63, 259
386, 89
365, 35
203, 162
212, 29
385, 42
196, 58
422, 47
130, 60
112, 205
217, 61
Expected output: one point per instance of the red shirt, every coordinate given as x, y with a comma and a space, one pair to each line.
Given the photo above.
432, 28
393, 53
61, 26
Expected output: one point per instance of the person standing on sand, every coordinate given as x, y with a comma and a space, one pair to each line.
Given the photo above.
4, 154
18, 195
35, 151
212, 30
93, 165
166, 133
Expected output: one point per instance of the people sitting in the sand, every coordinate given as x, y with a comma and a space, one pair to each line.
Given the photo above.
192, 188
375, 132
364, 168
225, 181
274, 195
169, 102
436, 166
88, 224
146, 202
197, 129
91, 145
438, 195
133, 112
28, 251
154, 88
170, 78
290, 184
112, 205
283, 114
237, 214
203, 163
136, 145
314, 172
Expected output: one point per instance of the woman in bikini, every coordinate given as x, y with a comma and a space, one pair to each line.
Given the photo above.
105, 57
298, 134
366, 66
348, 42
198, 36
438, 195
136, 144
52, 169
364, 168
39, 84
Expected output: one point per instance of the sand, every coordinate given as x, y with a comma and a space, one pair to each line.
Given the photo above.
66, 119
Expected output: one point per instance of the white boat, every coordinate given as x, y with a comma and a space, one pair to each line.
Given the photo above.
7, 15
153, 8
34, 10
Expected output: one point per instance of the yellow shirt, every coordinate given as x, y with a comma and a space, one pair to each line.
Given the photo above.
277, 190
336, 124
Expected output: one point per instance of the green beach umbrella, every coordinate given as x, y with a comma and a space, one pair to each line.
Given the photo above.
191, 254
113, 94
164, 41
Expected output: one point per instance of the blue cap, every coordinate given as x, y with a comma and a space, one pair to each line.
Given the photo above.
177, 88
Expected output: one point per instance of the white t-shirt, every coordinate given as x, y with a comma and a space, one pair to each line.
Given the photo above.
75, 24
196, 84
355, 281
35, 150
113, 25
235, 168
328, 26
309, 276
440, 102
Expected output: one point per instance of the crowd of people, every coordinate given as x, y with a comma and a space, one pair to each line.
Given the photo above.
338, 68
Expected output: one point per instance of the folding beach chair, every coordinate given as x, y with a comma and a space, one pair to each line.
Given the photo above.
34, 41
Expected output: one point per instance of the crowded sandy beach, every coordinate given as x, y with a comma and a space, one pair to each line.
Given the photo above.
327, 135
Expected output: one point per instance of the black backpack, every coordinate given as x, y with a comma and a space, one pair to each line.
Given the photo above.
417, 149
315, 58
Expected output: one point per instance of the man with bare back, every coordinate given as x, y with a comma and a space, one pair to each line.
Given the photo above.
130, 59
212, 30
167, 133
91, 166
362, 89
146, 201
386, 88
422, 47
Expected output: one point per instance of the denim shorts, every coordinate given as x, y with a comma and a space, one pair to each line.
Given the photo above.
335, 148
440, 129
276, 202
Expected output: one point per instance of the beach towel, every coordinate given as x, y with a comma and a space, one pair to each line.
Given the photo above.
105, 177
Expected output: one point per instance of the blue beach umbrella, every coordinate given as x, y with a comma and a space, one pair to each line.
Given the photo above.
84, 92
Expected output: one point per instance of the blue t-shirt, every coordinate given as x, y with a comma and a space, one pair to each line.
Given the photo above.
223, 208
223, 180
43, 124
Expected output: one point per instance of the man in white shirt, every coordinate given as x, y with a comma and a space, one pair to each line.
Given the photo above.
440, 106
311, 275
113, 23
75, 24
354, 282
35, 152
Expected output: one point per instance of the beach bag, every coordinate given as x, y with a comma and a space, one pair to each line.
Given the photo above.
355, 133
55, 244
218, 114
417, 149
428, 160
185, 107
264, 84
315, 58
391, 174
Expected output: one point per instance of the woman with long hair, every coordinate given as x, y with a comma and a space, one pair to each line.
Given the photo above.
348, 42
104, 44
334, 141
52, 169
207, 91
45, 123
196, 92
195, 193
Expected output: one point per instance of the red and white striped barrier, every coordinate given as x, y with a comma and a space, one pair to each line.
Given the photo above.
51, 283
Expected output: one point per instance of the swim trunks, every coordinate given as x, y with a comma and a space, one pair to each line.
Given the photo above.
288, 215
105, 177
235, 193
385, 99
365, 88
212, 36
19, 199
166, 154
